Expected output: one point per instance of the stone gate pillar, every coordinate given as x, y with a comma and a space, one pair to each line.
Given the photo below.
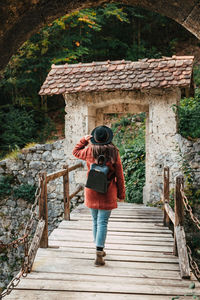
161, 145
79, 121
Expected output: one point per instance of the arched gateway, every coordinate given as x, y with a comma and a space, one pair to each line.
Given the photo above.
20, 19
149, 85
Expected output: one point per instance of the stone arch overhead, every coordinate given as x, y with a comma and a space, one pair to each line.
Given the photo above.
19, 19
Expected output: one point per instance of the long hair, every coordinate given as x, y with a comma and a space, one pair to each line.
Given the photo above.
110, 151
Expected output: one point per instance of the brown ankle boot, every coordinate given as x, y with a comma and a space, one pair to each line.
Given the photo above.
104, 253
99, 258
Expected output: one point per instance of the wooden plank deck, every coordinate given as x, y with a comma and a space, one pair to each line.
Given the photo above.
139, 262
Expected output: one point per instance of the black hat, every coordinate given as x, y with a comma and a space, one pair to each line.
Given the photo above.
101, 135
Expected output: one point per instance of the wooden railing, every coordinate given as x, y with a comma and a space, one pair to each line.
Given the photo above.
43, 209
177, 218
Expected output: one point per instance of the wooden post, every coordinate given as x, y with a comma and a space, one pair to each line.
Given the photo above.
166, 219
181, 247
43, 210
66, 194
179, 208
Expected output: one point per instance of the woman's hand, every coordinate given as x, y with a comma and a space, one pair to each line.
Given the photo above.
87, 137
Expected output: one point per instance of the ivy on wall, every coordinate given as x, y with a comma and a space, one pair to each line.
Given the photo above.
188, 112
23, 191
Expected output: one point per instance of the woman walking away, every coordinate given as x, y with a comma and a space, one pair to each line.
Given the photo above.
101, 204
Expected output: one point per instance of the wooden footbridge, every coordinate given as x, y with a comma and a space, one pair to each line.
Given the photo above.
140, 262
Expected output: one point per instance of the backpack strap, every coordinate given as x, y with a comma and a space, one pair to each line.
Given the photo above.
101, 158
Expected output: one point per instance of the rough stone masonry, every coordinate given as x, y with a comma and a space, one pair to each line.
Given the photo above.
14, 213
149, 85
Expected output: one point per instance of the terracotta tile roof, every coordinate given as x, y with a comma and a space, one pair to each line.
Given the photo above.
119, 75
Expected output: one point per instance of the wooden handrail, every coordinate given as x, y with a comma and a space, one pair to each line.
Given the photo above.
80, 188
35, 243
55, 175
80, 165
169, 212
63, 172
177, 218
166, 194
43, 209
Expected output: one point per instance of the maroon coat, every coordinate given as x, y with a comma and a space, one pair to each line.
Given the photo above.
116, 187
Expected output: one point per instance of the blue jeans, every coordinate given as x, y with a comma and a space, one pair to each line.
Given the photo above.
100, 219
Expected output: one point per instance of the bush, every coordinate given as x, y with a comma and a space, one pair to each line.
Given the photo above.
25, 191
22, 125
133, 162
5, 185
189, 116
197, 75
17, 127
129, 137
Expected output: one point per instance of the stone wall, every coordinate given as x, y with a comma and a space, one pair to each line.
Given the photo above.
190, 155
14, 213
161, 143
185, 156
84, 111
49, 158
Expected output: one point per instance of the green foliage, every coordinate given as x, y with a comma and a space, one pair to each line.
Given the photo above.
13, 154
48, 127
17, 127
22, 125
112, 31
129, 137
25, 191
197, 75
5, 185
134, 169
189, 116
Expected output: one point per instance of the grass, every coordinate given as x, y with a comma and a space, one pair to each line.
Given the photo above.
15, 152
12, 155
50, 141
29, 145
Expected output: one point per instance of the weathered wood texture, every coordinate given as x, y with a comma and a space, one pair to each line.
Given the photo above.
166, 194
139, 261
56, 175
182, 252
180, 247
63, 172
79, 165
169, 212
66, 194
35, 242
179, 206
43, 210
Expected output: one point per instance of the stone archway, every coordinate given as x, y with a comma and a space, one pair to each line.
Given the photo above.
85, 111
20, 19
150, 85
